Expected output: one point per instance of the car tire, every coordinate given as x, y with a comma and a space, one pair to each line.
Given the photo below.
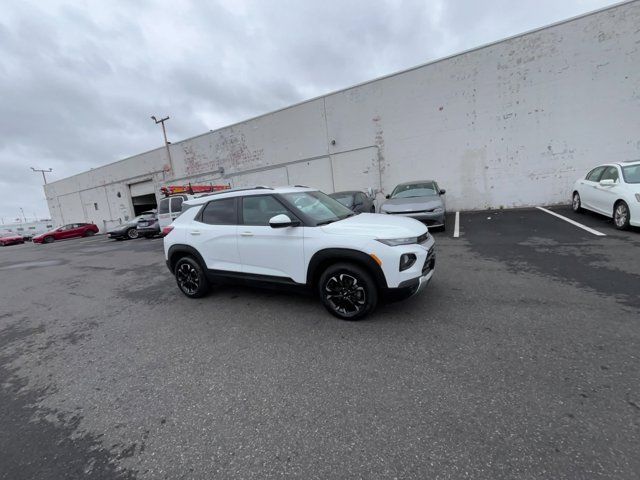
576, 203
48, 240
621, 215
89, 233
191, 278
348, 291
132, 233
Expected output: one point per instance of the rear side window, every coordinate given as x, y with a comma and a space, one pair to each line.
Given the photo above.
164, 206
220, 212
176, 204
594, 175
258, 210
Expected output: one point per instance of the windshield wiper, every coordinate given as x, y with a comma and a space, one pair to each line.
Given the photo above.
327, 222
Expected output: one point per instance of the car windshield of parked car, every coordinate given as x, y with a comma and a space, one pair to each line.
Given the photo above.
346, 199
631, 173
414, 190
319, 206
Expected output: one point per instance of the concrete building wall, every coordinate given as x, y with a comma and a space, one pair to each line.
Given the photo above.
510, 124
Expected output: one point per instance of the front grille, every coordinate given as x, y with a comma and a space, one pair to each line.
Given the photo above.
430, 261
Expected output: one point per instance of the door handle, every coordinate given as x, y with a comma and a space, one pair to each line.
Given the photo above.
247, 234
195, 232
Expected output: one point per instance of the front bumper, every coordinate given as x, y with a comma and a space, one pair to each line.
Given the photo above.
118, 234
430, 218
415, 285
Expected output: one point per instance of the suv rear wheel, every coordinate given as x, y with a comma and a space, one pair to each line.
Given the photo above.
190, 277
348, 291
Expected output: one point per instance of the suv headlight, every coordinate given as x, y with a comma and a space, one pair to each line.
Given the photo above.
438, 210
394, 242
638, 196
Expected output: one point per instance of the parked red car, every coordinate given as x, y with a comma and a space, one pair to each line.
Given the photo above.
71, 230
8, 238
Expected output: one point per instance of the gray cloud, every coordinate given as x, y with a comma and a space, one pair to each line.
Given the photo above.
78, 82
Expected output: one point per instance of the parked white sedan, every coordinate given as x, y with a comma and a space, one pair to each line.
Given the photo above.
612, 190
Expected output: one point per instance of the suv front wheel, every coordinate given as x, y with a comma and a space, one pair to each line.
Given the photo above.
190, 277
348, 291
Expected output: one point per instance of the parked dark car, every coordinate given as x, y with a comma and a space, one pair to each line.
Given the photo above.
149, 226
355, 200
129, 230
71, 230
10, 238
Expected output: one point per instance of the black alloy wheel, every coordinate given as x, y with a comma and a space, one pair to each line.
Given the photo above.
191, 278
348, 291
48, 239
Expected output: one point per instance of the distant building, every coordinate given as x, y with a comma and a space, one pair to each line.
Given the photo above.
508, 124
28, 229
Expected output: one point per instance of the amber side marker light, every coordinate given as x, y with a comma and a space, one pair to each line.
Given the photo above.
376, 259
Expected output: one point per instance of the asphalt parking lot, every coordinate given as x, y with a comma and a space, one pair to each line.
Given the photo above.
521, 360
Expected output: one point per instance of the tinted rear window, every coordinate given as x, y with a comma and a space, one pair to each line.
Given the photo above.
164, 206
220, 212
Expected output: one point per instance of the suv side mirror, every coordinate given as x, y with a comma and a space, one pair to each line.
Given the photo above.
282, 221
608, 182
443, 191
387, 196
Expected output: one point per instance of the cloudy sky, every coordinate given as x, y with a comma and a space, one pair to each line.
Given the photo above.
79, 79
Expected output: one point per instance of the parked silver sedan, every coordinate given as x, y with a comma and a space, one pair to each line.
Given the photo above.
422, 200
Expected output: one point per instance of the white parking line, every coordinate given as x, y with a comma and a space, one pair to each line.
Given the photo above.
572, 222
456, 228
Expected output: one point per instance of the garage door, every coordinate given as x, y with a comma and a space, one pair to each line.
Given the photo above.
142, 188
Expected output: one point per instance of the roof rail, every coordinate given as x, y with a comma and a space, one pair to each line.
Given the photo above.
302, 186
240, 189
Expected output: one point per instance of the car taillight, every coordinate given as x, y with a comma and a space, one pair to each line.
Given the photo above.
166, 230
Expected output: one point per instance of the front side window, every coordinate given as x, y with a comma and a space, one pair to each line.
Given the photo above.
220, 212
631, 173
164, 206
610, 173
259, 209
415, 190
320, 207
594, 175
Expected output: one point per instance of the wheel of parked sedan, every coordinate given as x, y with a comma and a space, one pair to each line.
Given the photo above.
89, 233
48, 239
575, 203
132, 233
621, 216
191, 278
347, 291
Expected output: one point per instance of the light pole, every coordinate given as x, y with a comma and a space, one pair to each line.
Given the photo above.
23, 217
43, 173
166, 142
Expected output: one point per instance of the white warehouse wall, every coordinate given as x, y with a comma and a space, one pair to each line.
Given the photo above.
509, 124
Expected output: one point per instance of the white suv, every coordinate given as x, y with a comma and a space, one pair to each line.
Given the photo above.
300, 237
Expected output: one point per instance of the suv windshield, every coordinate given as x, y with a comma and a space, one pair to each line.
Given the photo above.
318, 206
415, 190
631, 173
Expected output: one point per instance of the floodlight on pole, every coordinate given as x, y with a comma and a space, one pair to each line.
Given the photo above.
164, 133
43, 173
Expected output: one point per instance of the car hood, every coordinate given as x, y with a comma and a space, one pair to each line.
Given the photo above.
50, 232
11, 237
375, 225
412, 204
